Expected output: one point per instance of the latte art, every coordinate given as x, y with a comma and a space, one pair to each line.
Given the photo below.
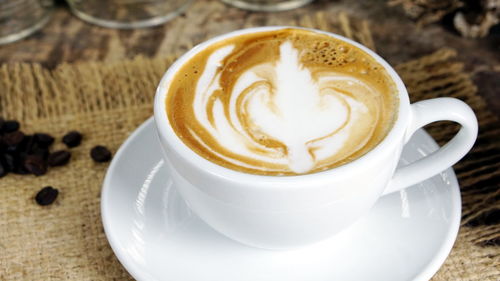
267, 104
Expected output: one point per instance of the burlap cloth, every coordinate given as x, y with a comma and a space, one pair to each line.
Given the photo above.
107, 101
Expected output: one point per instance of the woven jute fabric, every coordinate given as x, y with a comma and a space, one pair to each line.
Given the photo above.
107, 101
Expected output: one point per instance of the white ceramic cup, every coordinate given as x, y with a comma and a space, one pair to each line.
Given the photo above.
280, 212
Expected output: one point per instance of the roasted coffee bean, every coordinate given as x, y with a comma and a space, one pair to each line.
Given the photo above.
27, 144
10, 126
72, 139
35, 165
19, 168
43, 140
2, 121
18, 163
42, 152
29, 154
12, 149
3, 170
59, 158
8, 161
100, 154
13, 138
46, 196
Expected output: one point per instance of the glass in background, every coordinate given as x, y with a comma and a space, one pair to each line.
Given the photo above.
127, 13
267, 5
20, 18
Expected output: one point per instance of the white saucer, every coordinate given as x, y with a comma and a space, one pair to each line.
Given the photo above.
406, 236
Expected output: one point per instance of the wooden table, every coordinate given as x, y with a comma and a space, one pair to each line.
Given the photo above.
68, 39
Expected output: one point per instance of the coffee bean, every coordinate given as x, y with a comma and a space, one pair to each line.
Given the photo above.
29, 154
19, 159
2, 144
13, 138
72, 139
59, 158
42, 152
100, 154
43, 140
3, 170
10, 126
35, 165
27, 144
12, 149
8, 161
46, 196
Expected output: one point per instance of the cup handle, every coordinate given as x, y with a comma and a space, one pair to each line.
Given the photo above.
426, 112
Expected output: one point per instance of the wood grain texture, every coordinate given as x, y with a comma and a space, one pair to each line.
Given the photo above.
67, 39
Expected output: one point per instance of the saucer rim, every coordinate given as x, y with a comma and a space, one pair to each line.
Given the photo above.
429, 271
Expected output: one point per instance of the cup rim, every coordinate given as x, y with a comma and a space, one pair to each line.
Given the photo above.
166, 132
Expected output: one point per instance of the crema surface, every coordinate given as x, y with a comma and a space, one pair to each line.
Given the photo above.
282, 102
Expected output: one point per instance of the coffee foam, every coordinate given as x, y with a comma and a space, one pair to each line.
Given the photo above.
282, 102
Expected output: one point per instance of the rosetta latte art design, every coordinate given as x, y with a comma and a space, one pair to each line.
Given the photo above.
281, 116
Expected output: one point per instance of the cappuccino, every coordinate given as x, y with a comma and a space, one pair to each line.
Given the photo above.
283, 102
